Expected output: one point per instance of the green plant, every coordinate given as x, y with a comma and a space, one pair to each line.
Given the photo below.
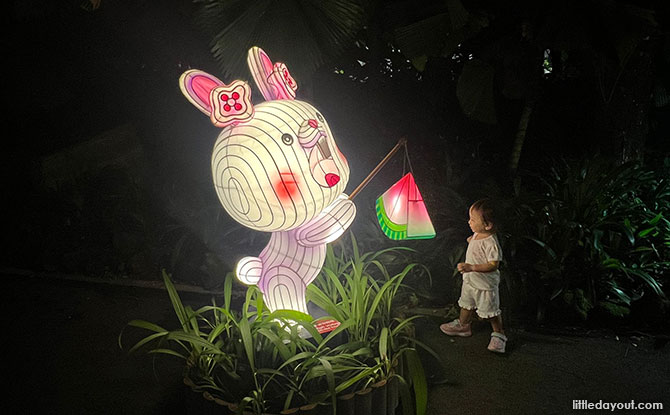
262, 362
304, 38
360, 292
591, 234
255, 358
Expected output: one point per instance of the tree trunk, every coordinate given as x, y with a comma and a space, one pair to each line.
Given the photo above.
623, 120
520, 136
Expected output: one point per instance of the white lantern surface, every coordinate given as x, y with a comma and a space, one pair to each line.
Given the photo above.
276, 168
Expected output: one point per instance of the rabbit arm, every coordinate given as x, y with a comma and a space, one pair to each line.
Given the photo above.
329, 224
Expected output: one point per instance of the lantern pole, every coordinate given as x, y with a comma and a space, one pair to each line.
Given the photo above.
373, 173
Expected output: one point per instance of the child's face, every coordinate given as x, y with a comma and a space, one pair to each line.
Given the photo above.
477, 223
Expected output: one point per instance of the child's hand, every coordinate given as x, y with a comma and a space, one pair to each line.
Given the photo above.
464, 267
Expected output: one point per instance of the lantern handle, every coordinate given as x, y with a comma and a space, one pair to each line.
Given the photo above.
373, 173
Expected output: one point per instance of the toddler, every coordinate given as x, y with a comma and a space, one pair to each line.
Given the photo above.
480, 278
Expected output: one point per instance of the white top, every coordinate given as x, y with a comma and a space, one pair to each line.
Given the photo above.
482, 251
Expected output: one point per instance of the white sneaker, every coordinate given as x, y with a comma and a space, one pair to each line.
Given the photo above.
455, 328
497, 343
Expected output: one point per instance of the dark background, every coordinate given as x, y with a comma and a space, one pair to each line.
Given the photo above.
106, 165
106, 174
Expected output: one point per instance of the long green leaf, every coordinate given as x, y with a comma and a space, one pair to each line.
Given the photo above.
147, 340
169, 352
296, 358
176, 301
363, 374
419, 384
277, 342
424, 346
646, 277
405, 396
330, 378
227, 290
383, 343
404, 323
194, 340
147, 325
247, 342
543, 245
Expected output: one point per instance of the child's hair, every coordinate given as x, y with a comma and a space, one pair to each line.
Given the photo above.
485, 208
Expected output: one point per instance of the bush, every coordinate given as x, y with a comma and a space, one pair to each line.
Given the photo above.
589, 234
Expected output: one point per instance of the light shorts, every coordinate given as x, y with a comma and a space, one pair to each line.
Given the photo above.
486, 302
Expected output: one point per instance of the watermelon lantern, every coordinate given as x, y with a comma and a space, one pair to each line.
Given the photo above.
401, 212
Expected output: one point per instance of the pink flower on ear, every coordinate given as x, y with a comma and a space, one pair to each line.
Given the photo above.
231, 104
282, 82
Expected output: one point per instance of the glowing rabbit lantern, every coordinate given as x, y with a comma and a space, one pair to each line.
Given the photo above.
276, 168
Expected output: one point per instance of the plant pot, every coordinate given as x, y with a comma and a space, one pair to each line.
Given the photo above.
379, 398
311, 409
204, 404
392, 395
363, 402
346, 404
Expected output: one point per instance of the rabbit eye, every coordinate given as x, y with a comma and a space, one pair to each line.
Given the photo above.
319, 117
287, 139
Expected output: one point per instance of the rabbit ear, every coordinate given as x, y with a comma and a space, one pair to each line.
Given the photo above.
260, 66
196, 86
273, 80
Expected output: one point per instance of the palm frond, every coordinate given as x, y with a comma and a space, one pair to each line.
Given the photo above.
301, 33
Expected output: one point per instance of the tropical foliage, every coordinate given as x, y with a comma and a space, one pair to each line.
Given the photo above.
590, 234
301, 33
361, 292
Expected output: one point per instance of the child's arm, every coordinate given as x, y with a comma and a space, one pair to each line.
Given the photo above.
487, 267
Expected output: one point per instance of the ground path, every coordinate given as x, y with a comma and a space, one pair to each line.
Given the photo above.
543, 373
60, 341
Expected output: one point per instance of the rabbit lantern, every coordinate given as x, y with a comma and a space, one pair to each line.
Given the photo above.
276, 168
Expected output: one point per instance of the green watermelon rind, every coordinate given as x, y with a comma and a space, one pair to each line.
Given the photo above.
391, 229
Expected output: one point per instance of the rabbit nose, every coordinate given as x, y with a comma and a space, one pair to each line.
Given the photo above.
332, 179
